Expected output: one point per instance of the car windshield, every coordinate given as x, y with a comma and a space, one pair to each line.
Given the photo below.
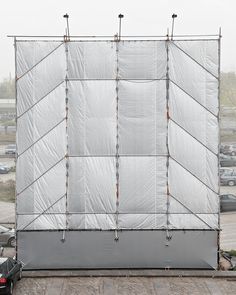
224, 156
2, 260
227, 173
3, 265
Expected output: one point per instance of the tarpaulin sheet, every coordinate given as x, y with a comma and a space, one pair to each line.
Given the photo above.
117, 135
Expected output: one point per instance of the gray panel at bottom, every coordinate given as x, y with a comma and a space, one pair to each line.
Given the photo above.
135, 249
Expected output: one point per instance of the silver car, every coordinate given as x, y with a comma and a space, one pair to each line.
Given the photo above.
7, 237
4, 169
228, 178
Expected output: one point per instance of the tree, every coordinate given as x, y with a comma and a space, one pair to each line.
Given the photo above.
7, 89
228, 89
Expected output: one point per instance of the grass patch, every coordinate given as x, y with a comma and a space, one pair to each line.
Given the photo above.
7, 191
232, 252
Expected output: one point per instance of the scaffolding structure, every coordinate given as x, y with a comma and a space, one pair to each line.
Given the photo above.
117, 151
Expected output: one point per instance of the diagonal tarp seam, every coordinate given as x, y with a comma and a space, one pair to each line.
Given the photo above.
193, 98
186, 207
42, 213
195, 60
50, 168
193, 174
29, 70
181, 127
44, 96
41, 137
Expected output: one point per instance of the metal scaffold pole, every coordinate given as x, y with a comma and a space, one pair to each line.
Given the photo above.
168, 237
218, 119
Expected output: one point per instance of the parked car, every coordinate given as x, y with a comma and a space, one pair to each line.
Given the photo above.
10, 273
7, 236
10, 149
227, 202
227, 161
224, 148
229, 149
228, 178
225, 169
4, 169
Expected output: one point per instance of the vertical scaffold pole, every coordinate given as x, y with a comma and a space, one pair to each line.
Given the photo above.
117, 39
16, 156
67, 139
218, 118
167, 141
173, 25
120, 17
66, 16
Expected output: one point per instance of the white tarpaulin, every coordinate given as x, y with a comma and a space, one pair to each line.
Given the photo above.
117, 135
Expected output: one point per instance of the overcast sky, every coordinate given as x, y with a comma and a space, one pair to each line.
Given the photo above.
99, 17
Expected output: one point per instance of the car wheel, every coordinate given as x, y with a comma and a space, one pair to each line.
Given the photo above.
231, 183
12, 242
10, 292
20, 275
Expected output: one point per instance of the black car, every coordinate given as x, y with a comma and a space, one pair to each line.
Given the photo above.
10, 273
227, 202
10, 149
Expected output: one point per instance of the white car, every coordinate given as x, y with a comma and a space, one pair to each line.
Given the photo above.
7, 236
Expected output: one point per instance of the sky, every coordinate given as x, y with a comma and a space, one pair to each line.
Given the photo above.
99, 17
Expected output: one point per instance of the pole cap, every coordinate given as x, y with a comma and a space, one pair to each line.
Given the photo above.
174, 15
120, 15
66, 15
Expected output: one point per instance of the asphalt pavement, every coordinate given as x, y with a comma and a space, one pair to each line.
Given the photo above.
7, 212
125, 285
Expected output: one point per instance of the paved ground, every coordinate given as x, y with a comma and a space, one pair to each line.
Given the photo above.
2, 149
125, 286
10, 162
7, 214
228, 190
228, 223
8, 176
228, 234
